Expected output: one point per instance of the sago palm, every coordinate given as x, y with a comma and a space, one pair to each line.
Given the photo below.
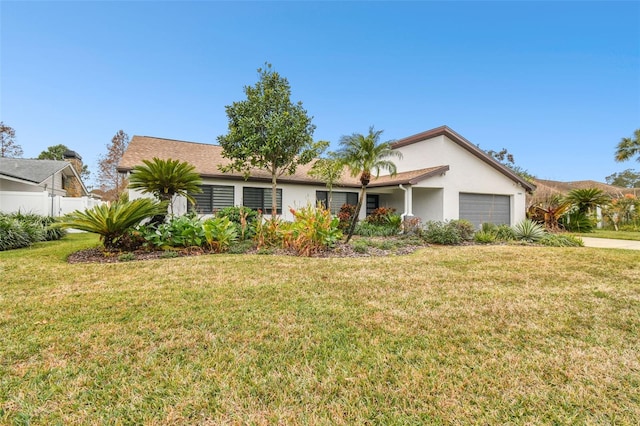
112, 221
166, 178
587, 199
365, 155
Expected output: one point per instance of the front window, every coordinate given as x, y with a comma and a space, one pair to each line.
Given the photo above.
337, 199
213, 198
260, 199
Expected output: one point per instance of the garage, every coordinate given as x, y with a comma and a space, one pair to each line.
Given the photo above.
485, 208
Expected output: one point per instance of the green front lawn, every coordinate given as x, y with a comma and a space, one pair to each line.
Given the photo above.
469, 335
616, 235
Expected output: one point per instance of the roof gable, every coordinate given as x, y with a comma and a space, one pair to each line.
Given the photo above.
464, 143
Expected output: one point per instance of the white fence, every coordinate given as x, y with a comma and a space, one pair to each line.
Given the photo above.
43, 203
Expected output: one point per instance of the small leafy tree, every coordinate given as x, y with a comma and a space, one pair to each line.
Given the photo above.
165, 179
629, 147
329, 170
269, 132
8, 146
365, 155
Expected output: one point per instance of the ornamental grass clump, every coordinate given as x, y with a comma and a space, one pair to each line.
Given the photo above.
19, 230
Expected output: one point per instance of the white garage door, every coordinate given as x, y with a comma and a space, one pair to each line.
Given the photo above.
485, 208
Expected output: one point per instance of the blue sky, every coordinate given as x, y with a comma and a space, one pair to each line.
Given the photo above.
556, 83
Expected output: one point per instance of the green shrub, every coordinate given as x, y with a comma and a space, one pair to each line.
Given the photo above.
504, 233
179, 232
560, 240
366, 229
485, 237
243, 218
528, 230
578, 221
219, 233
444, 233
465, 229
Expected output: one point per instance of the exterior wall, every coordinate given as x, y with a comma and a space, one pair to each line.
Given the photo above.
467, 173
9, 185
43, 203
55, 182
428, 203
293, 196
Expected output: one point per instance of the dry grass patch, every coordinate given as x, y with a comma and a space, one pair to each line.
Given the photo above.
488, 335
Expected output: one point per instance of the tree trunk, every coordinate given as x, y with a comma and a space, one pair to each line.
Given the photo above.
363, 194
274, 198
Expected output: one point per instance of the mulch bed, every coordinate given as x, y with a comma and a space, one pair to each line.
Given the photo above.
98, 255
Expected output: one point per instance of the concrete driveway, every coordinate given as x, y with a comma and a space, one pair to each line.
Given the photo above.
610, 243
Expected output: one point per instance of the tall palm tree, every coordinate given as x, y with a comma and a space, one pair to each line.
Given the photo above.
166, 178
628, 147
364, 155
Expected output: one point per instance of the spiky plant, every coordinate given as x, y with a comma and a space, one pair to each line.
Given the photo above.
585, 200
528, 230
166, 178
112, 221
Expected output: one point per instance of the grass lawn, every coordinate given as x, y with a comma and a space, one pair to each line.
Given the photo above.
616, 235
471, 334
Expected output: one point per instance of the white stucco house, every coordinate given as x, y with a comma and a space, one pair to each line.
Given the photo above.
441, 176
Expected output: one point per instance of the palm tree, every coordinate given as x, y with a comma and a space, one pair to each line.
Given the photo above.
166, 178
364, 155
628, 147
587, 199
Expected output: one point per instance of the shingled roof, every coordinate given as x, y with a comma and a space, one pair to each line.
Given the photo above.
34, 171
207, 158
564, 187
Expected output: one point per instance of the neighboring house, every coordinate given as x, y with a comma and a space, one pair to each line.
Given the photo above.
546, 188
46, 187
441, 176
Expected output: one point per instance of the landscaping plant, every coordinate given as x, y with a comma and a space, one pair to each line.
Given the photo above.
219, 233
313, 230
528, 230
112, 221
243, 218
